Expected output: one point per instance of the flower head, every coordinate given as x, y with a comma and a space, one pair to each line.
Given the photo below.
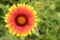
40, 4
21, 20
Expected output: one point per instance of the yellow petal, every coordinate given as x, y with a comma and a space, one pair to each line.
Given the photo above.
7, 14
30, 7
36, 20
34, 12
19, 4
23, 4
33, 29
26, 34
10, 31
35, 25
12, 7
6, 20
30, 32
6, 25
13, 33
18, 34
22, 35
26, 5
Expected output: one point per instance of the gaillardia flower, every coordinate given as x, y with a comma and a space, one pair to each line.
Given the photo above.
21, 20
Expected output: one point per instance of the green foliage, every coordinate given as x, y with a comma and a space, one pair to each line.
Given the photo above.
49, 19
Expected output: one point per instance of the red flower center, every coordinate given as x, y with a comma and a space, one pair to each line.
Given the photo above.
21, 20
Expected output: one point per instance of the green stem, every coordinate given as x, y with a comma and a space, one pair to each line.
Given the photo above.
37, 33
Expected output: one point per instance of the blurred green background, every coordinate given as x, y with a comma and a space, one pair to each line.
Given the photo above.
48, 12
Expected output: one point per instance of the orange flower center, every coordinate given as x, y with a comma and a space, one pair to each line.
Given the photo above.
21, 20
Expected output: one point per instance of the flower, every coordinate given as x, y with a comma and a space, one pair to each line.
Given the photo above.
40, 4
21, 20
